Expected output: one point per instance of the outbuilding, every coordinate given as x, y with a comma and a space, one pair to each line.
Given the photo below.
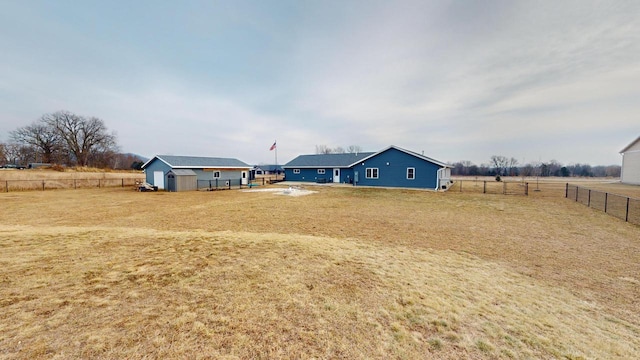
631, 163
389, 167
182, 180
207, 172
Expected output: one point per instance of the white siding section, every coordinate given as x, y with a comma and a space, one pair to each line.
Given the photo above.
631, 166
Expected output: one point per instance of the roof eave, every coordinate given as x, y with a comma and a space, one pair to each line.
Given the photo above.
630, 145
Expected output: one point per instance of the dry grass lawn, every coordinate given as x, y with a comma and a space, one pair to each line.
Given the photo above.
342, 273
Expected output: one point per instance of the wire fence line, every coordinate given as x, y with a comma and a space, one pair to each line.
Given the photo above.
523, 188
54, 184
623, 207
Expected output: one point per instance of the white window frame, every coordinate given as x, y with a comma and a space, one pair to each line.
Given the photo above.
296, 171
216, 174
372, 173
413, 173
321, 172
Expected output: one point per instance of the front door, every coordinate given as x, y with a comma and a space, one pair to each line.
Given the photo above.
336, 175
244, 178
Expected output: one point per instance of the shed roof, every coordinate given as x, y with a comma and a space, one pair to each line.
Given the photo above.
197, 162
182, 172
327, 160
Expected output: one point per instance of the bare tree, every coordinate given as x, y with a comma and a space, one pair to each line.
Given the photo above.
513, 166
338, 150
323, 149
353, 149
3, 155
499, 163
18, 154
83, 137
42, 137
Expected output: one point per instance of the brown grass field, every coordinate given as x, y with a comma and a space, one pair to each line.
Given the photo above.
71, 178
350, 273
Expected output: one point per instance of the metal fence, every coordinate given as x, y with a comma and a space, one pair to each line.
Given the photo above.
536, 189
228, 184
220, 184
620, 206
53, 184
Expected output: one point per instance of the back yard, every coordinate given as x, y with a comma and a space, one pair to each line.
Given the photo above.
341, 273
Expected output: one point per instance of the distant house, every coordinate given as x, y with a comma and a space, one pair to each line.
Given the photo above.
390, 167
268, 170
180, 173
631, 163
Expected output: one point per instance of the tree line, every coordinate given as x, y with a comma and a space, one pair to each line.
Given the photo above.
500, 165
65, 138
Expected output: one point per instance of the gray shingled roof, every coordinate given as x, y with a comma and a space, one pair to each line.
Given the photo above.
198, 162
327, 160
180, 172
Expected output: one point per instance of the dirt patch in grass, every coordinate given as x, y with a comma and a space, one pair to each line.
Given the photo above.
344, 273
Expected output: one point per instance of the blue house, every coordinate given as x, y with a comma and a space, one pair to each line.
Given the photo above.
168, 171
390, 167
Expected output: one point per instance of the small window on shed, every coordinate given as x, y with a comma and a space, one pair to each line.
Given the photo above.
216, 174
320, 171
411, 173
371, 173
296, 171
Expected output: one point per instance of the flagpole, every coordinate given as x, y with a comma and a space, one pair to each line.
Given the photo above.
276, 153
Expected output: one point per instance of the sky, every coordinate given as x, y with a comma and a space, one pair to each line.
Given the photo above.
457, 80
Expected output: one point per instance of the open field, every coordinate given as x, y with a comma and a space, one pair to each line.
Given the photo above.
542, 187
39, 179
340, 273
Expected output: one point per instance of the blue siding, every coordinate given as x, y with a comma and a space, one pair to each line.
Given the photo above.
225, 174
156, 165
395, 173
311, 175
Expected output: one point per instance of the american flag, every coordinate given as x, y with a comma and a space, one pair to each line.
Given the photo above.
272, 146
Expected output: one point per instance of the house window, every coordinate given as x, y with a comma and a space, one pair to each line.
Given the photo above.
296, 171
411, 173
216, 174
371, 173
320, 171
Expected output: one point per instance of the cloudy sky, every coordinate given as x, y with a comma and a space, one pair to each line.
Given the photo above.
459, 80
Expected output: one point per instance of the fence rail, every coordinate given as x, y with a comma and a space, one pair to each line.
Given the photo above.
509, 187
53, 184
620, 206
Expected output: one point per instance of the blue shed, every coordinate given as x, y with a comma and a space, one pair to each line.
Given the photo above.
390, 167
206, 169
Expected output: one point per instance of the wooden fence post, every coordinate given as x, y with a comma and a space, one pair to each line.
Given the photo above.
589, 199
484, 188
526, 189
606, 198
626, 216
6, 185
122, 182
42, 185
566, 190
577, 188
